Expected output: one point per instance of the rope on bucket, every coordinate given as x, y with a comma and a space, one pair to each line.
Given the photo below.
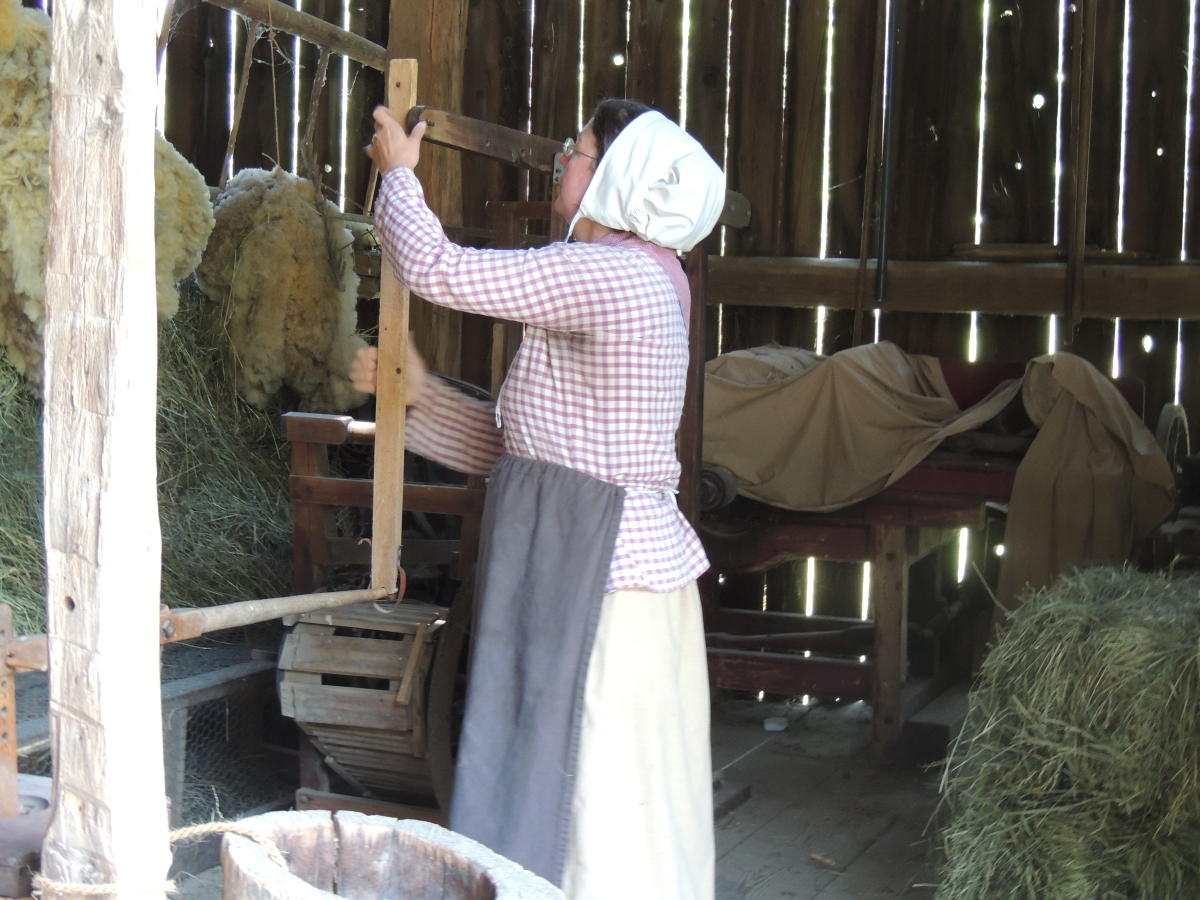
41, 883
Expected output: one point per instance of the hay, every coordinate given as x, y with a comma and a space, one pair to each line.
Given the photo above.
1081, 778
222, 495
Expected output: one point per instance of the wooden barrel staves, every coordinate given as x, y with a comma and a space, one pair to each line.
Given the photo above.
348, 854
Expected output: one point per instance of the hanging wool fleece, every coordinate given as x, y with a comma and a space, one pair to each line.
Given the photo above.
183, 211
282, 263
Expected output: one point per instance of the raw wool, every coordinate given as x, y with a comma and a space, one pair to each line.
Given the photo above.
183, 216
24, 179
1078, 770
183, 220
282, 264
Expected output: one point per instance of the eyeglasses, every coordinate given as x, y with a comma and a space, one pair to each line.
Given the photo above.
569, 149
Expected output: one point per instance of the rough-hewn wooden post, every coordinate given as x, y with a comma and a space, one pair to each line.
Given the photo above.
387, 501
103, 548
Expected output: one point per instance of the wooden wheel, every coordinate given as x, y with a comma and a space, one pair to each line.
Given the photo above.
1171, 432
448, 690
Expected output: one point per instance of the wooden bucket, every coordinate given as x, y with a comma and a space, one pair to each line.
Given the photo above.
354, 679
348, 854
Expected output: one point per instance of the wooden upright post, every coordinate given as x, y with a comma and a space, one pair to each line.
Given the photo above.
103, 550
387, 502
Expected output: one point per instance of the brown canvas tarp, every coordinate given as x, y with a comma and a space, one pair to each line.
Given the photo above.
814, 433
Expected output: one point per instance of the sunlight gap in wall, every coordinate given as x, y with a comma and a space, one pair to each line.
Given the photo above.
685, 28
1060, 78
810, 586
973, 332
826, 165
297, 49
581, 73
1188, 124
231, 94
725, 157
1126, 46
344, 116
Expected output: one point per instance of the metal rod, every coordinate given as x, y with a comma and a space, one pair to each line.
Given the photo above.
185, 624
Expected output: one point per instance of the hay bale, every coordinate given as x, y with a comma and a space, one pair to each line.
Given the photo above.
1078, 775
222, 492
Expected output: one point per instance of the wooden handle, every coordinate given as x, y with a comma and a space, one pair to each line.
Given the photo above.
387, 504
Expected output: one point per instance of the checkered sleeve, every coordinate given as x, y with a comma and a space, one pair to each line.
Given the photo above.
568, 287
450, 428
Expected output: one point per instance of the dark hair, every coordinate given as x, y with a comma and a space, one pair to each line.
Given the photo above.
611, 117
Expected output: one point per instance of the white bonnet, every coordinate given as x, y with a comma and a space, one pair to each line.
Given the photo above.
656, 181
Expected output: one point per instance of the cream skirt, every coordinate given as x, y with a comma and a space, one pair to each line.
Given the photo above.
642, 826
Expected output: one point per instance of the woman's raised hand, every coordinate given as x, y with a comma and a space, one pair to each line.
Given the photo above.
364, 372
391, 147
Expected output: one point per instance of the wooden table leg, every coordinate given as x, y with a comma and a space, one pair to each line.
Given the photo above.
889, 597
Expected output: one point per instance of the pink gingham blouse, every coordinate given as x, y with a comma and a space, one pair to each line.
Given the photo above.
597, 384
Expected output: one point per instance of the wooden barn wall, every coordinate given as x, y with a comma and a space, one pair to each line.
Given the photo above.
782, 92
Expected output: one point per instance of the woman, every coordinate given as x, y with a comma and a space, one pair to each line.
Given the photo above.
585, 747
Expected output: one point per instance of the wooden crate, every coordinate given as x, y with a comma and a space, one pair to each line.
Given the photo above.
354, 679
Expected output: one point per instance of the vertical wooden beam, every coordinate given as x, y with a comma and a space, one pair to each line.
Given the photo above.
10, 804
103, 545
889, 600
387, 502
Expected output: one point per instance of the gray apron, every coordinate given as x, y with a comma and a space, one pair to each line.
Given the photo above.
548, 539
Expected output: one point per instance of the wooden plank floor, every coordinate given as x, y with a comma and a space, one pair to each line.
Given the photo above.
823, 820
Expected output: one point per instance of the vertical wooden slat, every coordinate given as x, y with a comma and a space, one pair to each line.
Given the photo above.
938, 102
1020, 155
1190, 382
707, 45
555, 71
387, 500
495, 89
1103, 185
605, 53
1154, 368
365, 93
185, 76
756, 125
853, 62
1093, 340
705, 101
1012, 338
655, 59
1157, 102
943, 335
102, 539
1019, 158
434, 34
803, 152
937, 99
